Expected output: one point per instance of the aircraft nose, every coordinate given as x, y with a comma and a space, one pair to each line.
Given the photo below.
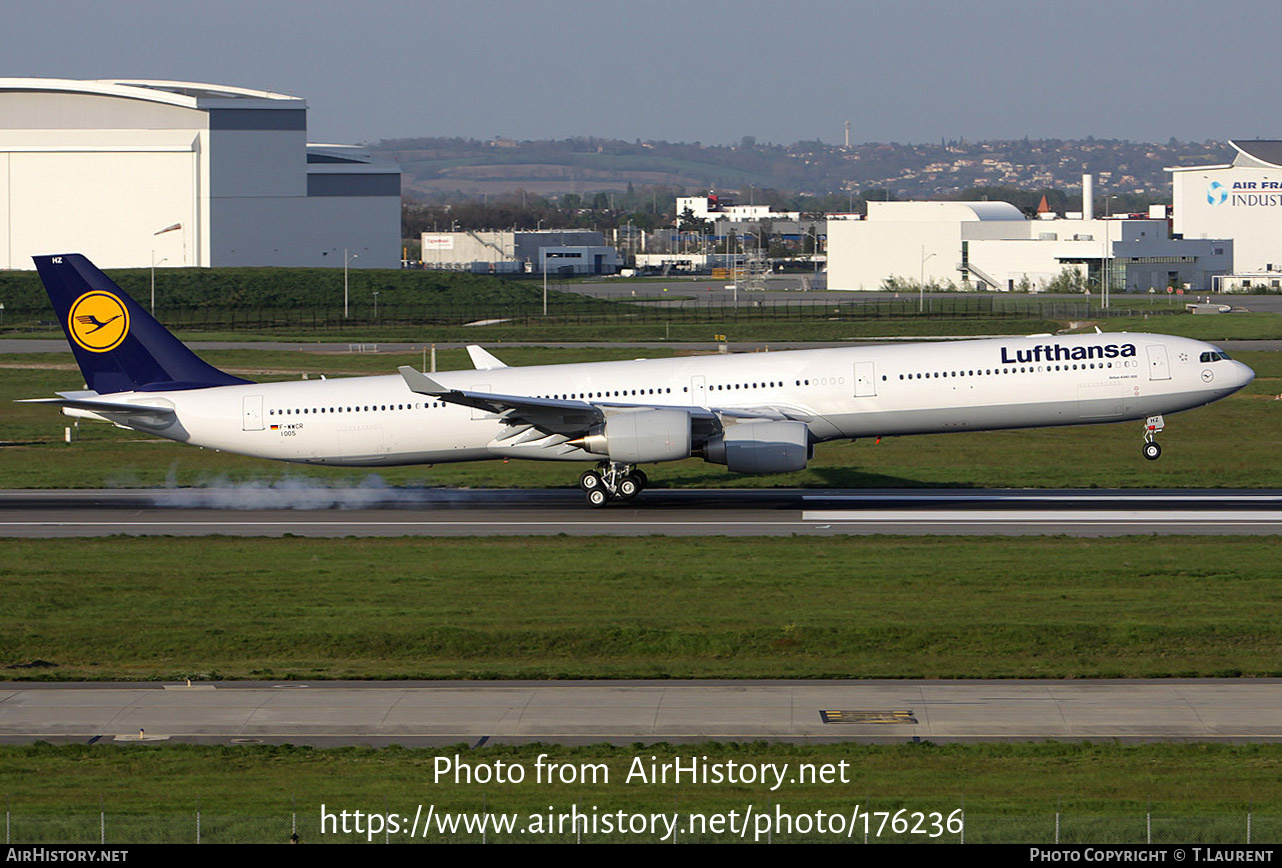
1244, 374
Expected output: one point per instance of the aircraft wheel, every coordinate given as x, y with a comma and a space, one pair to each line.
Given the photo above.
641, 478
1152, 451
597, 497
590, 480
629, 487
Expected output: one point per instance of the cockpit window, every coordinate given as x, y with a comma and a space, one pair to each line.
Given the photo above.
1214, 356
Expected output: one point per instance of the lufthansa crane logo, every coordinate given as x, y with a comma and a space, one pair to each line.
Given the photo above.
98, 321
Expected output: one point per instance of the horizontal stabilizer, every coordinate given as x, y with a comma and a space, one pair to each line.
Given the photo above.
152, 416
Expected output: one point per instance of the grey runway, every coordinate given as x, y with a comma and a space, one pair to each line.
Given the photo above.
379, 511
439, 713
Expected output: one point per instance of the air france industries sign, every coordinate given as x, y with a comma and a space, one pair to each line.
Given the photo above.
1251, 194
1060, 353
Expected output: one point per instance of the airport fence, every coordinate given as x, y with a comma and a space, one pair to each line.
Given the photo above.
105, 826
595, 312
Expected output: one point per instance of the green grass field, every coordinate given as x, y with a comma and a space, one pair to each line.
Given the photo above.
1010, 793
797, 607
808, 608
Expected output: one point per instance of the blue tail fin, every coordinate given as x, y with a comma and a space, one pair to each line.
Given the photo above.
118, 345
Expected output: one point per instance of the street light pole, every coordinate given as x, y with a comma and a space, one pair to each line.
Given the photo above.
376, 304
154, 263
346, 260
921, 285
171, 228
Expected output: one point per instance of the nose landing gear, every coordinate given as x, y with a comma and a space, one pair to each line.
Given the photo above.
612, 480
1152, 427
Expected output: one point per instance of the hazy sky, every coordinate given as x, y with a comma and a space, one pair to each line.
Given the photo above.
696, 70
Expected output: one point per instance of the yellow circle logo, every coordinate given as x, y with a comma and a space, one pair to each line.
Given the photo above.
98, 321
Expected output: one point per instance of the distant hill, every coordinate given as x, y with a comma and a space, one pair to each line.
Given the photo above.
439, 168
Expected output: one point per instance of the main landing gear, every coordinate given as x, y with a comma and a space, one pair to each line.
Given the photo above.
612, 481
1152, 427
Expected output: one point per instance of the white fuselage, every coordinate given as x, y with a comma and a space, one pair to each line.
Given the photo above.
839, 393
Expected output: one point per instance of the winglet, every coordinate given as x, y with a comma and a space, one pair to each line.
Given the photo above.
482, 360
420, 382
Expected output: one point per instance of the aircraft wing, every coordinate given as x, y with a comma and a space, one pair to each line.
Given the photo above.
556, 417
572, 418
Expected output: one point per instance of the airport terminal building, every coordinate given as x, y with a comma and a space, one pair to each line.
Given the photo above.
132, 173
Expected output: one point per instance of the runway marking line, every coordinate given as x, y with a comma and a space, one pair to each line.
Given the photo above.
1200, 517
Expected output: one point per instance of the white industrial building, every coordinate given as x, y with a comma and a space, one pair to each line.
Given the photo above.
1242, 201
132, 173
715, 210
559, 251
992, 245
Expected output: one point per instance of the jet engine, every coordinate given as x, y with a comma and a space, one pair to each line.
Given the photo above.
641, 437
760, 447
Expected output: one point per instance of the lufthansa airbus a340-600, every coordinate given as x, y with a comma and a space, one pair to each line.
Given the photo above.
753, 413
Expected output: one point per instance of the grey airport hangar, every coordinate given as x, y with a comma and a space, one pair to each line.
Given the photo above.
132, 173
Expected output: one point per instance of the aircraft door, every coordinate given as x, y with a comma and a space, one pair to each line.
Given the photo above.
865, 380
478, 413
698, 392
252, 413
1159, 367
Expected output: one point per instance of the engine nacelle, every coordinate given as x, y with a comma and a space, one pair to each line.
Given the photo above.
642, 436
761, 447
